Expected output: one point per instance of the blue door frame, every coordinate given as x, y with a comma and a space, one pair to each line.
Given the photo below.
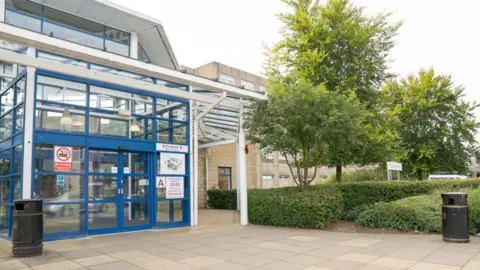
95, 142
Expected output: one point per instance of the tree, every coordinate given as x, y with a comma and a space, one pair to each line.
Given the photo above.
337, 45
434, 127
304, 123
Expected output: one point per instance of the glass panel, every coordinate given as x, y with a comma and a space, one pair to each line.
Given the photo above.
6, 101
48, 188
109, 99
103, 162
63, 218
73, 21
136, 187
69, 34
142, 105
20, 90
58, 90
178, 211
23, 21
5, 191
117, 35
4, 218
103, 187
162, 131
54, 117
171, 110
180, 133
5, 158
142, 55
163, 211
62, 59
146, 129
117, 48
102, 215
24, 6
44, 158
6, 126
17, 188
136, 213
19, 119
108, 126
139, 162
18, 158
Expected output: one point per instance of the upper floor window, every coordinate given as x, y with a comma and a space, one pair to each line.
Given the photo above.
248, 85
226, 79
65, 26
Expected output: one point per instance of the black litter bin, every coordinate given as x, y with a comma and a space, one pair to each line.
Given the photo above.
455, 217
27, 230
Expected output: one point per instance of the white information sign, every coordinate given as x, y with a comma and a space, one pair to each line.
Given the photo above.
175, 188
114, 170
126, 170
172, 147
394, 166
172, 163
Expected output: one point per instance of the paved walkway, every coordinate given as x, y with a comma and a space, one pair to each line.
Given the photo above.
223, 246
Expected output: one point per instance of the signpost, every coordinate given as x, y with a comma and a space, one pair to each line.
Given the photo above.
394, 166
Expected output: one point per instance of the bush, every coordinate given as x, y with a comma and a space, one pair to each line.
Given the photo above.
222, 199
289, 207
363, 175
420, 213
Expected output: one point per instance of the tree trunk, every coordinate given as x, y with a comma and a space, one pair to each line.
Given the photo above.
419, 175
339, 174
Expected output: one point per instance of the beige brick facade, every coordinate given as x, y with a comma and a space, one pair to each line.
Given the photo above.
223, 156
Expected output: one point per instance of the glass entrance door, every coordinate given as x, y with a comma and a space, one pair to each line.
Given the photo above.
118, 191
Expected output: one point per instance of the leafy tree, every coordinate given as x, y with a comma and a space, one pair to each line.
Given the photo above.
304, 124
337, 45
434, 127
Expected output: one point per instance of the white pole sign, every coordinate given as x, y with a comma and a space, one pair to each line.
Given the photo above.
394, 166
175, 188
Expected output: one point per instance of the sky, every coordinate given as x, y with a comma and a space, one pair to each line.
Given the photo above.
443, 34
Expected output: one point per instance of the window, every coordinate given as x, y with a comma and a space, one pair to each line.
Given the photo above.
225, 178
226, 79
262, 89
284, 180
267, 181
58, 90
65, 26
247, 85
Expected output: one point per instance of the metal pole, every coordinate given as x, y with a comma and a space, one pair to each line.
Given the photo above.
398, 175
243, 171
195, 171
237, 173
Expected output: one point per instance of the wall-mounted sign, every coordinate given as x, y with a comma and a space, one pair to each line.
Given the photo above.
172, 163
62, 159
114, 170
175, 188
126, 170
394, 166
60, 180
172, 147
161, 182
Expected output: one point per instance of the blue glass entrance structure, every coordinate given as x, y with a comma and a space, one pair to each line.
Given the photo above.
112, 132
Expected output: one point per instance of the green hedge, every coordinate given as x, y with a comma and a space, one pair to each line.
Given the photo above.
287, 207
417, 213
321, 204
222, 199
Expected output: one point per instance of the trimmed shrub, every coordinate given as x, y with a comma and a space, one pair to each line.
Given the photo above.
222, 199
289, 207
420, 213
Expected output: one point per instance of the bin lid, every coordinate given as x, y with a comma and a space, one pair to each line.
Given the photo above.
28, 200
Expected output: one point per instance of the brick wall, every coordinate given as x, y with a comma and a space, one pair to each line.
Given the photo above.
223, 156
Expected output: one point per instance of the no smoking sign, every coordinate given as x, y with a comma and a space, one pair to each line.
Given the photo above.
63, 159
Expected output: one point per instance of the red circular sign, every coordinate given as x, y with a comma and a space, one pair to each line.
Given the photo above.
63, 154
